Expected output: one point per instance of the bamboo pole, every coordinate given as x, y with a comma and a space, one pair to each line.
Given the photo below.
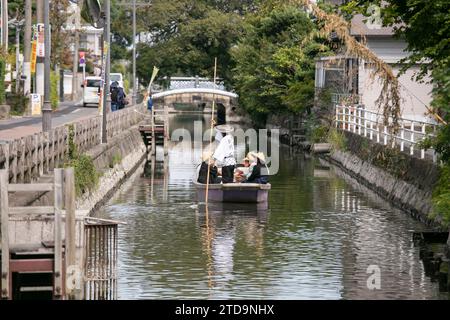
210, 135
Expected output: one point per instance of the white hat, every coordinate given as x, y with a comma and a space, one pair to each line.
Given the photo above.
224, 128
261, 157
252, 155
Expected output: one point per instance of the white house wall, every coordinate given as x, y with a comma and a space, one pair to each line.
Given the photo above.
389, 49
414, 95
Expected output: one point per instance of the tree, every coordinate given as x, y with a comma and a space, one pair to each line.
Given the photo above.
60, 51
184, 37
274, 60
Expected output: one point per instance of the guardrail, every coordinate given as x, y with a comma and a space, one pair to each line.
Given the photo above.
370, 124
30, 157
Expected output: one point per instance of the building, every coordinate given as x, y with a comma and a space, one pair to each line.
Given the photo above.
345, 76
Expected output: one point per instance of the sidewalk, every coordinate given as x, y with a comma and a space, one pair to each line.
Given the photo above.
67, 112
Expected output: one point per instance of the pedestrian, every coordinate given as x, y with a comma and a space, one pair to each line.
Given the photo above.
150, 103
114, 90
121, 98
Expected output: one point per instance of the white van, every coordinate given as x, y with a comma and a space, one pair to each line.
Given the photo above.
91, 90
116, 77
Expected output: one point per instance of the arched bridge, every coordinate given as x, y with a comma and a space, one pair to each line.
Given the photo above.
199, 92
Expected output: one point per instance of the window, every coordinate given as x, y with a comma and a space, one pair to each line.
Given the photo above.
83, 41
93, 83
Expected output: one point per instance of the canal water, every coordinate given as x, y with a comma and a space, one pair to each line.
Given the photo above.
324, 236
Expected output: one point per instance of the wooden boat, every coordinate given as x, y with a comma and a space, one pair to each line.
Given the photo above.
234, 192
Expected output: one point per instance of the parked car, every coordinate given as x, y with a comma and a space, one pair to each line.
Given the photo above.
117, 77
91, 90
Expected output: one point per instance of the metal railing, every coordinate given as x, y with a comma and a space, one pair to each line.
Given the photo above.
101, 252
370, 124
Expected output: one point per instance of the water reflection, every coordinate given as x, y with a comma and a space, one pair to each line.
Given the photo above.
315, 240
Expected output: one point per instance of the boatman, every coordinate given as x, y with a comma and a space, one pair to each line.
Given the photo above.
224, 154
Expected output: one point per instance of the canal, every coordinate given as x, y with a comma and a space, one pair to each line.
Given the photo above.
322, 236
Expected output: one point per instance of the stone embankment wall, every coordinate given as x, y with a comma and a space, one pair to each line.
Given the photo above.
405, 181
128, 150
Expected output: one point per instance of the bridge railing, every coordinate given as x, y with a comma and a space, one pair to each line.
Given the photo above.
369, 124
30, 157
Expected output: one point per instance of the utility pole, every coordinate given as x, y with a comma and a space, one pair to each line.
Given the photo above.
134, 6
106, 93
4, 18
27, 49
39, 60
76, 46
18, 73
133, 97
47, 108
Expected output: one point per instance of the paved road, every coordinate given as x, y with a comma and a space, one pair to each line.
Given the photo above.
22, 126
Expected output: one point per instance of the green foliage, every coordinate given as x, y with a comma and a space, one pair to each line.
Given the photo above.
186, 36
116, 159
441, 195
18, 104
319, 134
126, 85
86, 175
337, 139
2, 81
54, 84
274, 62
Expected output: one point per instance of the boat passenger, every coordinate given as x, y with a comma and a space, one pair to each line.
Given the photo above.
242, 170
203, 172
259, 171
224, 154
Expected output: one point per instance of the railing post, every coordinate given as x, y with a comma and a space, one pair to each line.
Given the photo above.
378, 131
371, 126
422, 151
166, 129
359, 120
354, 120
70, 258
411, 151
349, 119
337, 115
5, 147
58, 190
365, 124
385, 135
344, 120
402, 137
4, 214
